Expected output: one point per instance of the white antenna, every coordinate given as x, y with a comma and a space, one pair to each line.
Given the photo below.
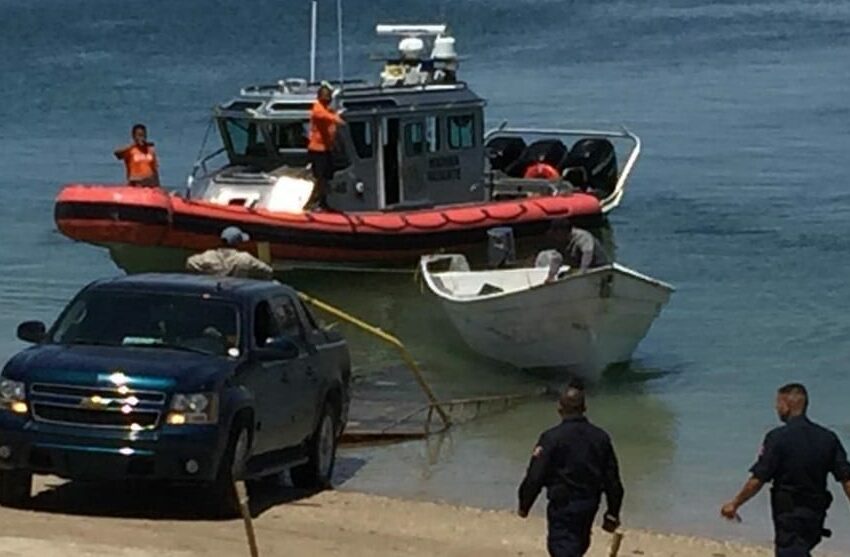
313, 25
339, 42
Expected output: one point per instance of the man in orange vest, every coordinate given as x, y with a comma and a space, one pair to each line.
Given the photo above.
323, 123
140, 159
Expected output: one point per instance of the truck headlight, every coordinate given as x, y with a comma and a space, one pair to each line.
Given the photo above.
194, 408
13, 395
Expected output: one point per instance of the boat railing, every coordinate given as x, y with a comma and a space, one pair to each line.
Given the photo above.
611, 200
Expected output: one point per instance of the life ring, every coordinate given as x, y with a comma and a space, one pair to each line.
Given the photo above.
541, 170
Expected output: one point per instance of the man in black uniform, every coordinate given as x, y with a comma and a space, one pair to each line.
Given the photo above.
576, 463
796, 457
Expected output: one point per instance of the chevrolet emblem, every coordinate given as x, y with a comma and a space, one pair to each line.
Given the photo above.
95, 402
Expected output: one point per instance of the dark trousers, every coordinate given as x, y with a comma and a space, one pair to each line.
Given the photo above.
322, 165
569, 527
797, 531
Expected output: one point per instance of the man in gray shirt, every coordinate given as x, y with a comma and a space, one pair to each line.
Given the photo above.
579, 248
228, 260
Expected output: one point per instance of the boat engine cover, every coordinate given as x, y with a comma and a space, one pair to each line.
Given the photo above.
597, 160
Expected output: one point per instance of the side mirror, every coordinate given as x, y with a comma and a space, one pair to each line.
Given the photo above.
32, 331
280, 348
333, 336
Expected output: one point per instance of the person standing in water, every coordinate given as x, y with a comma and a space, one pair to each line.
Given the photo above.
140, 159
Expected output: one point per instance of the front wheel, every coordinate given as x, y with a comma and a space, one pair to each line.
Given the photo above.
224, 499
317, 472
15, 488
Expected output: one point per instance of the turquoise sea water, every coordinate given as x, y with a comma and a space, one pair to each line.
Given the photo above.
740, 200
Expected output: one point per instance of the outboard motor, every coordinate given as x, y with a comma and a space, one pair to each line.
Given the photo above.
502, 151
592, 163
501, 249
549, 151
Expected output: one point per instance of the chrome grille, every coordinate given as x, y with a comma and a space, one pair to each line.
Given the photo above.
108, 407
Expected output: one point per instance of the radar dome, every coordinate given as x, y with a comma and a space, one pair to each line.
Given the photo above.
411, 47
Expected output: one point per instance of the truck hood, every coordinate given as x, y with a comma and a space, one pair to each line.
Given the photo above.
158, 369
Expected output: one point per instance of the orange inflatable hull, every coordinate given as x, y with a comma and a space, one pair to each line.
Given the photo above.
152, 217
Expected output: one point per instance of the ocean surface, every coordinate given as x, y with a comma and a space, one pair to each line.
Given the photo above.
740, 200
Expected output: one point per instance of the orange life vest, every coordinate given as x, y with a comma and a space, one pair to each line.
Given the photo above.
141, 163
323, 122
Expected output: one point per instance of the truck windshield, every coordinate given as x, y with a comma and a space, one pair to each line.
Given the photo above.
172, 321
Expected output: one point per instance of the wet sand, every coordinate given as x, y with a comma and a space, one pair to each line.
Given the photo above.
91, 521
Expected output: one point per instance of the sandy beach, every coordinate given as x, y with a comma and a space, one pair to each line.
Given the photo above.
90, 521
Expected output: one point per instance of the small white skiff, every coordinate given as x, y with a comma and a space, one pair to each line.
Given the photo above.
581, 322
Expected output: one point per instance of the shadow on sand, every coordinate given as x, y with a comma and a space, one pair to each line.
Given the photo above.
151, 500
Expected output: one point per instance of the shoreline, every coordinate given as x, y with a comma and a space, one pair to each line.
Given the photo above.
95, 522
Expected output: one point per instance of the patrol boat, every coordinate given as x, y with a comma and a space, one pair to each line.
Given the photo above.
414, 173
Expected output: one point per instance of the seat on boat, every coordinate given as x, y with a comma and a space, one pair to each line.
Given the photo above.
488, 288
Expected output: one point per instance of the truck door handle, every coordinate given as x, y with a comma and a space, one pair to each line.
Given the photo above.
311, 371
284, 377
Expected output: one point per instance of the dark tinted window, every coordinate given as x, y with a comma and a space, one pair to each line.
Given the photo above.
150, 320
265, 324
246, 138
287, 317
461, 131
361, 136
414, 139
290, 135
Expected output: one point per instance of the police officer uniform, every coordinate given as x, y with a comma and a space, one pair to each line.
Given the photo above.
576, 463
797, 457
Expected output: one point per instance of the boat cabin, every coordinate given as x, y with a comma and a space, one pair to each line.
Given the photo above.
416, 139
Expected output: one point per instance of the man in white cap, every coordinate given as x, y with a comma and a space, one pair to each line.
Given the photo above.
228, 260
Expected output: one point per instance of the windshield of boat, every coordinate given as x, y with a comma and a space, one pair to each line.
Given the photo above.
291, 136
244, 139
152, 320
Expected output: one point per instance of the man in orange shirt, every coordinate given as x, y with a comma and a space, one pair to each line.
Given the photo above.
140, 159
323, 123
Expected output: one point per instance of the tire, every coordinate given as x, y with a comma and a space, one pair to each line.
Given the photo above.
225, 500
15, 488
317, 472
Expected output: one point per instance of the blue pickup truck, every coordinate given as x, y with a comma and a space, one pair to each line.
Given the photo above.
175, 377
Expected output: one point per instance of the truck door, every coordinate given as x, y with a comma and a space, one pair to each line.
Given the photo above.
303, 373
268, 380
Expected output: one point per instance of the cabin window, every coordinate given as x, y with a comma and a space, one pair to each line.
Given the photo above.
290, 135
414, 139
361, 136
287, 318
432, 133
461, 131
246, 138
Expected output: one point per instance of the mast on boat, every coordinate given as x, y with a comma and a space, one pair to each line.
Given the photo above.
314, 12
314, 25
